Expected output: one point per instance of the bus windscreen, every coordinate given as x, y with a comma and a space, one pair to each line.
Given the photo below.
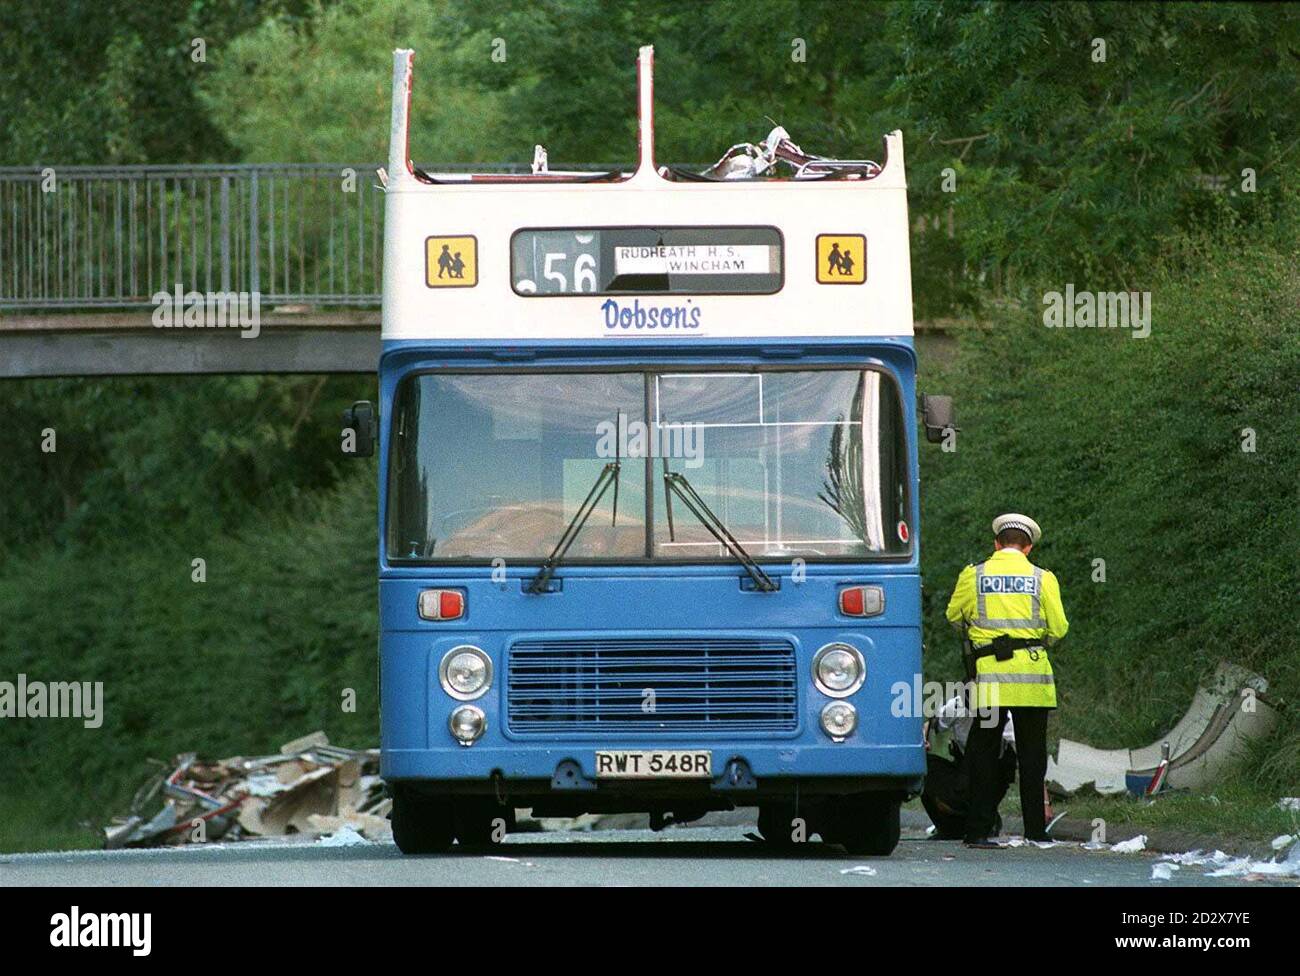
807, 463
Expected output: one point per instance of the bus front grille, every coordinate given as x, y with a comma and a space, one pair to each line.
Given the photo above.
653, 685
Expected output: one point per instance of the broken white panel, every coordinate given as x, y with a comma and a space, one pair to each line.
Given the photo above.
1224, 745
1229, 679
1077, 765
1183, 735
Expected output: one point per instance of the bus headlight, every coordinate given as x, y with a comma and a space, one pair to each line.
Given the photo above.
839, 719
465, 672
467, 723
839, 670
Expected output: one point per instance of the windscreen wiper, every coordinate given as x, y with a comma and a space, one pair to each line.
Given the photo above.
683, 489
608, 476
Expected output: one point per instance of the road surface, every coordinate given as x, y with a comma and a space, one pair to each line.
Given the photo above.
677, 856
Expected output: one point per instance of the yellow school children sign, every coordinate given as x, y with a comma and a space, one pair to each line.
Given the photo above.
451, 262
841, 259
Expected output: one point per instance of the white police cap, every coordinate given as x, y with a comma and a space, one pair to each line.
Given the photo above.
1024, 523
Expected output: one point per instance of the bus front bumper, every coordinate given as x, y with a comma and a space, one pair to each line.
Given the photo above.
733, 768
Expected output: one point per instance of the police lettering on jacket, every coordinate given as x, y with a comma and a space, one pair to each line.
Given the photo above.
1009, 584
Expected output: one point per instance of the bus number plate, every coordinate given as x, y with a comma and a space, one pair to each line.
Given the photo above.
654, 764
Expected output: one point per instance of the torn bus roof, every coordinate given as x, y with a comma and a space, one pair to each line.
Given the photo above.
747, 161
769, 159
764, 160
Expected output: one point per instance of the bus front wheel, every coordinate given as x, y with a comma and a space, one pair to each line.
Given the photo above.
865, 824
421, 824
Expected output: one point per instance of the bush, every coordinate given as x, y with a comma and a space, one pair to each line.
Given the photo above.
1131, 451
257, 655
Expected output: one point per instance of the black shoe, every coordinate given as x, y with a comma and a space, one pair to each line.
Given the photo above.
983, 843
1039, 838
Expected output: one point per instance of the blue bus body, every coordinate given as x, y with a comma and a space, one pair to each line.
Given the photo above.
688, 604
681, 659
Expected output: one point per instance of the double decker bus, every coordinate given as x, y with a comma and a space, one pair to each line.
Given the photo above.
648, 496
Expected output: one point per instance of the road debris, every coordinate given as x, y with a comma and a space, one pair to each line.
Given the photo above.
748, 161
1131, 846
345, 836
1252, 870
309, 787
1198, 858
1227, 866
1018, 841
860, 869
1163, 871
509, 860
1213, 736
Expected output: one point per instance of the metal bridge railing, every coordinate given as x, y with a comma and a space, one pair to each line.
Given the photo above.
83, 237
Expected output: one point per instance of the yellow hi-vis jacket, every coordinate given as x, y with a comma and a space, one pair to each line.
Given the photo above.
1007, 595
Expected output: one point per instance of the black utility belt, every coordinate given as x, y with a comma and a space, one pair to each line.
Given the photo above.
1003, 648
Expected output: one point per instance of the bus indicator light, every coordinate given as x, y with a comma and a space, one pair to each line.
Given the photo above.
442, 604
862, 601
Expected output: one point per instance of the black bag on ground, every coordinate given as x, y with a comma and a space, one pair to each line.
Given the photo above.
946, 796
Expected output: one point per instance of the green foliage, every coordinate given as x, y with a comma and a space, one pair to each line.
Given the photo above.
1130, 450
722, 70
1075, 166
1230, 813
319, 90
112, 81
256, 655
133, 454
1062, 164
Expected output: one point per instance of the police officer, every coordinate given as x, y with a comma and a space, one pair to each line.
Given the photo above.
1010, 610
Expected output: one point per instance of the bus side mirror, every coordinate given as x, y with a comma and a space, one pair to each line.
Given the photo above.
936, 416
359, 429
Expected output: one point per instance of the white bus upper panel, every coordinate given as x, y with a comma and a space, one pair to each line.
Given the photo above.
836, 263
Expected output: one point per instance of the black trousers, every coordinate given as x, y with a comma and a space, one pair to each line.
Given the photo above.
986, 784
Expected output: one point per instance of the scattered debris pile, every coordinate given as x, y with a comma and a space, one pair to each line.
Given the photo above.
747, 161
310, 787
1210, 739
1226, 866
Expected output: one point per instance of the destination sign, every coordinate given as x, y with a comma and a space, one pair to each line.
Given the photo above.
647, 261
